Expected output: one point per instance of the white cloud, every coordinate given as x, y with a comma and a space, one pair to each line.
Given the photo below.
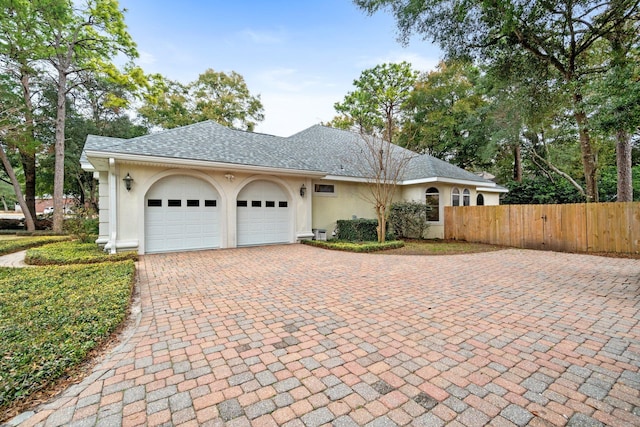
146, 58
264, 37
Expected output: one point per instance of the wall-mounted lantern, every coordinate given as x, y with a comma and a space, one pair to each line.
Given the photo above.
127, 181
303, 190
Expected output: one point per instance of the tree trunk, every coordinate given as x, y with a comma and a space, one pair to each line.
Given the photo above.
28, 218
624, 164
517, 163
382, 224
58, 178
589, 163
27, 154
28, 161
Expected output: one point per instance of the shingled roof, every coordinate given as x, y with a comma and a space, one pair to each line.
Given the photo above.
333, 152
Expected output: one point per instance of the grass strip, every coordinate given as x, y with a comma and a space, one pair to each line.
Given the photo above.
72, 252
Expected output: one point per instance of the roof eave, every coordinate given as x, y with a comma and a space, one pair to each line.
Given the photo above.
205, 164
447, 181
496, 189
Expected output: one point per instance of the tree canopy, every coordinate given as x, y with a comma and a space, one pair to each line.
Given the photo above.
560, 34
376, 105
217, 96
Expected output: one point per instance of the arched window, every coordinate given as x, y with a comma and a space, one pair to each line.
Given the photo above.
466, 197
480, 200
433, 202
455, 197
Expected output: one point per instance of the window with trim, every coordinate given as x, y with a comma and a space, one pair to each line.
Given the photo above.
324, 188
432, 199
455, 197
480, 200
466, 197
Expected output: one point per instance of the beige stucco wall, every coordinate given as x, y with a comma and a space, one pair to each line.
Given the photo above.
351, 199
129, 229
417, 193
313, 211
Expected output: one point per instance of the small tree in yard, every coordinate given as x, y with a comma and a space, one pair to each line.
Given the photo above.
383, 165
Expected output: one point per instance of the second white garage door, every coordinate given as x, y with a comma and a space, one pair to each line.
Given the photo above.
263, 213
181, 213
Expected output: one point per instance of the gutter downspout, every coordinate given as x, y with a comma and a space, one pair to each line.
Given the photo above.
113, 216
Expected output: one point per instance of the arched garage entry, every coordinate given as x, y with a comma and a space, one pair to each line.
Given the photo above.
263, 214
181, 213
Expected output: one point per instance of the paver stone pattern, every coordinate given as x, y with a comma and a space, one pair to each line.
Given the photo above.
299, 336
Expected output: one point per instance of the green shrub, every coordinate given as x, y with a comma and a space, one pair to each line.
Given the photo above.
409, 219
52, 317
359, 230
83, 225
355, 247
10, 244
73, 252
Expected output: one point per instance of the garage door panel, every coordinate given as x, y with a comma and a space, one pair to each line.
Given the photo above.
261, 221
191, 223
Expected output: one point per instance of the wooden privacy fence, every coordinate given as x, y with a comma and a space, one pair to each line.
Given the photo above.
592, 227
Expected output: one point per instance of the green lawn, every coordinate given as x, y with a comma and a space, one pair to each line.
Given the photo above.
407, 247
441, 247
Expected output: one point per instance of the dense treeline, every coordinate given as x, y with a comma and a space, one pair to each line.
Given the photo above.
545, 96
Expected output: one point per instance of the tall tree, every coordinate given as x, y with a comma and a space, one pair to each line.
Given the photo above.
11, 124
20, 39
617, 98
375, 106
72, 39
559, 33
443, 115
224, 98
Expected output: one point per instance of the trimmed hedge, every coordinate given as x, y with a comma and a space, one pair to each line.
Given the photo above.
10, 245
409, 219
359, 230
355, 247
52, 317
73, 252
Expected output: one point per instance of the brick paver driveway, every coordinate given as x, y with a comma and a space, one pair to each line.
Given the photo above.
303, 336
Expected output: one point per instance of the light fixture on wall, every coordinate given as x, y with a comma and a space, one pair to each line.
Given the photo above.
303, 190
127, 181
229, 176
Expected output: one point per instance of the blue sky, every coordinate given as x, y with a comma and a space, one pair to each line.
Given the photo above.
300, 56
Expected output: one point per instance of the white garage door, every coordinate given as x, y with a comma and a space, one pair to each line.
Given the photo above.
263, 214
181, 213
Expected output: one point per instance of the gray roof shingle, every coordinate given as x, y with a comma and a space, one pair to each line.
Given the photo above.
208, 141
319, 148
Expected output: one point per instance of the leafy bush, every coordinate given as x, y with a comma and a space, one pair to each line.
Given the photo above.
10, 244
82, 226
52, 317
356, 247
73, 252
359, 230
540, 190
409, 219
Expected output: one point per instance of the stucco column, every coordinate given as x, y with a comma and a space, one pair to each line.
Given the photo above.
113, 215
